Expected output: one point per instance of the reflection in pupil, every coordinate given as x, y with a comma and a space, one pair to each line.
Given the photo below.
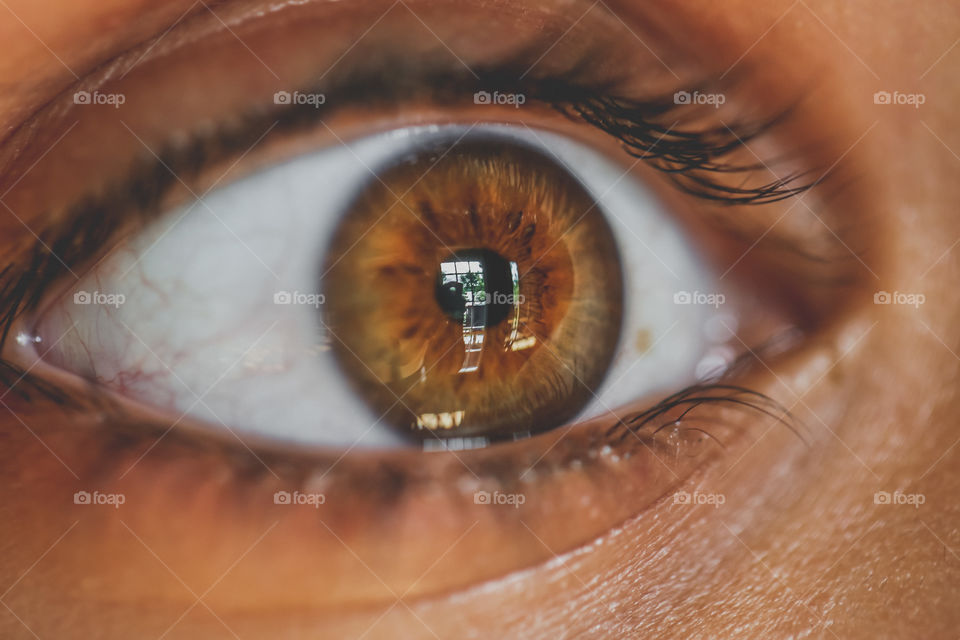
477, 288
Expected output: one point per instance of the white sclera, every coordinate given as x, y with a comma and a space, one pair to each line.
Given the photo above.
212, 310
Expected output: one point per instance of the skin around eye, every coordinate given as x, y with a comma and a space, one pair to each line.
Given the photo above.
485, 300
801, 545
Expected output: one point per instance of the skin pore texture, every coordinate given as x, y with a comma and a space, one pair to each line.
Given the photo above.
800, 546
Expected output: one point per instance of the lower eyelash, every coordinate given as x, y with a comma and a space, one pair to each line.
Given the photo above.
695, 396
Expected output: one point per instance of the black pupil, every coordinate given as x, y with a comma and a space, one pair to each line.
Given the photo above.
477, 287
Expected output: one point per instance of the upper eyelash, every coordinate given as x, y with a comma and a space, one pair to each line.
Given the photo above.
694, 160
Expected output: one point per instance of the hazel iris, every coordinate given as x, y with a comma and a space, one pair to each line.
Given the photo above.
474, 289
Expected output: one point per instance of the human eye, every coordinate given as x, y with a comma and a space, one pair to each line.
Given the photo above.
405, 282
470, 288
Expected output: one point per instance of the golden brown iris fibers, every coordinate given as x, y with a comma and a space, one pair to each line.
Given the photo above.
474, 290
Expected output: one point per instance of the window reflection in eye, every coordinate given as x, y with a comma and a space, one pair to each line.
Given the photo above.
434, 283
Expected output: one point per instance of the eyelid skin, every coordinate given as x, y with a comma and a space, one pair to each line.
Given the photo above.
222, 496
